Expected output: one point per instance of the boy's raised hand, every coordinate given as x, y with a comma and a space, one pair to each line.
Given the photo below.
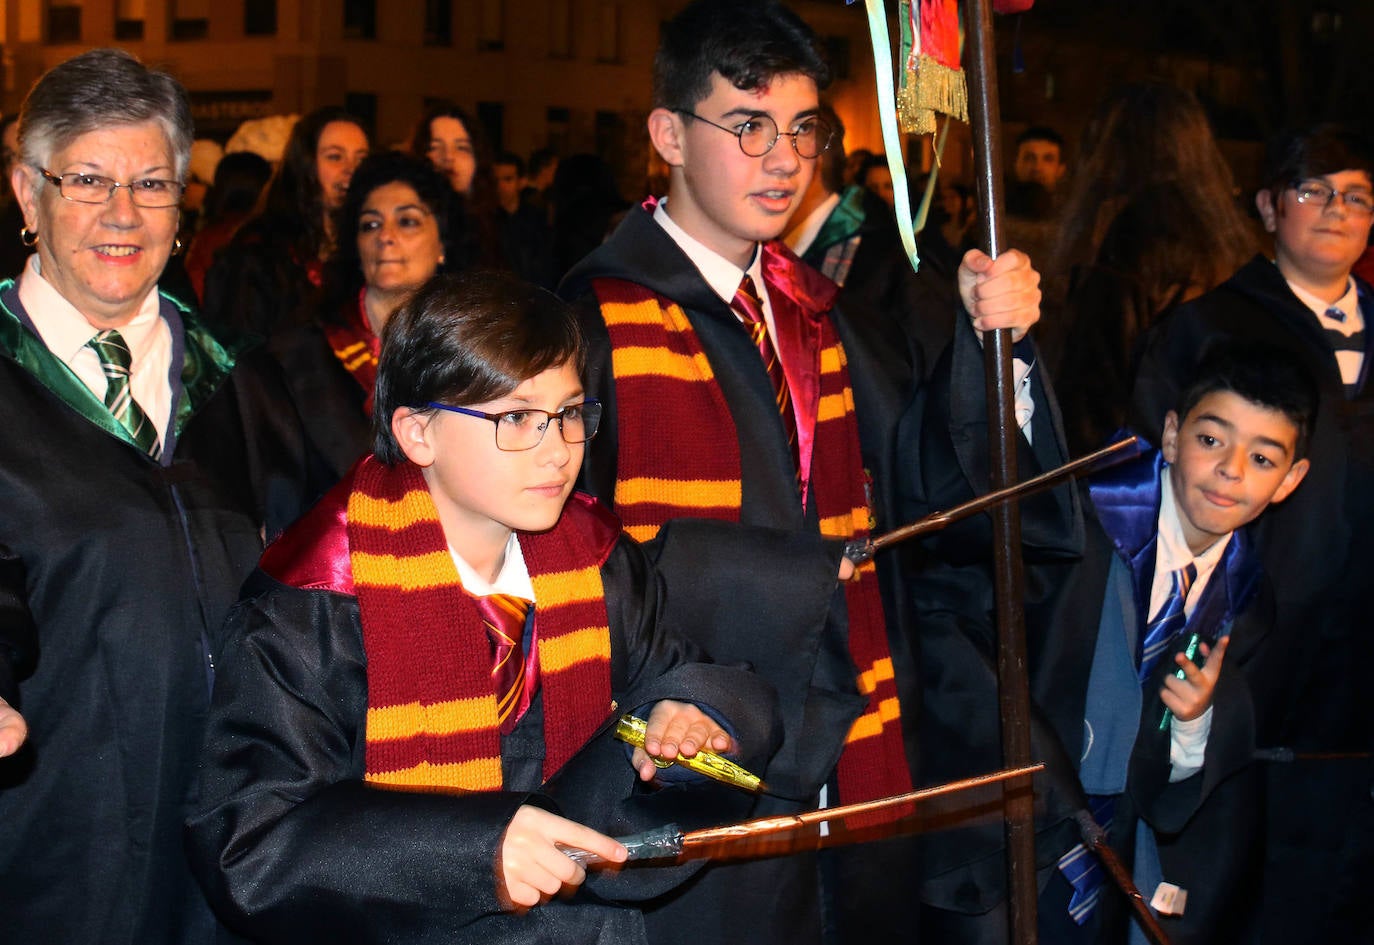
1189, 697
677, 728
13, 729
1000, 293
530, 868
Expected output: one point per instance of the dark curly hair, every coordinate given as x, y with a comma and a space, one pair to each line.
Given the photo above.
343, 274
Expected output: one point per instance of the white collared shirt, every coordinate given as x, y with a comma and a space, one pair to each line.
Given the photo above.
1349, 362
803, 236
513, 578
720, 274
1188, 740
67, 333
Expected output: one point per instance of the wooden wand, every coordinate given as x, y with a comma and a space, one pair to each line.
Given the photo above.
757, 838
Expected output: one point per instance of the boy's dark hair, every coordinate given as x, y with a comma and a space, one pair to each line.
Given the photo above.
510, 159
1315, 152
878, 162
1264, 374
465, 339
1041, 133
540, 159
749, 42
833, 158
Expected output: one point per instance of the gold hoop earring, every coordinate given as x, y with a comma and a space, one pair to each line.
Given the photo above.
177, 246
28, 237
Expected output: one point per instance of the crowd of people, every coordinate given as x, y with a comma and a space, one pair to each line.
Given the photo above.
420, 467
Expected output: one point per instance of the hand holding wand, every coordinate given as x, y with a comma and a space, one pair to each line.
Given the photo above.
738, 840
631, 730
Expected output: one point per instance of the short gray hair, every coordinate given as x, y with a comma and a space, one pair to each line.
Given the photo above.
101, 89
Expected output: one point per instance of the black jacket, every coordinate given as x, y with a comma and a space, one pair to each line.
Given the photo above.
125, 568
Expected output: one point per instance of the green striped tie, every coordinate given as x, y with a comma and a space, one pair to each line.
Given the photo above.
115, 360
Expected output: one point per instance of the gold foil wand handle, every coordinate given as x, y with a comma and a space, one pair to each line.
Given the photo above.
631, 730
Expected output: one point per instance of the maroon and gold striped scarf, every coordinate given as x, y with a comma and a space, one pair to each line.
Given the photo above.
664, 381
431, 716
357, 347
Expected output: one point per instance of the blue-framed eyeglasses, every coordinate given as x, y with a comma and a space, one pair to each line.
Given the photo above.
523, 429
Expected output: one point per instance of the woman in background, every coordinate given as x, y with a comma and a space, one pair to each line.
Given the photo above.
1151, 221
392, 230
266, 275
239, 180
449, 138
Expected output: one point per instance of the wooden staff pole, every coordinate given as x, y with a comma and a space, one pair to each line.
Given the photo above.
1012, 680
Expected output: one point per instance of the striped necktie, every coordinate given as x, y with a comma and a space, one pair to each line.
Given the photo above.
115, 361
749, 307
1080, 866
1167, 622
504, 616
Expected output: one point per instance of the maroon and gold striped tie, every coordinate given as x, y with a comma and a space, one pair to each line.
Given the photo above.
749, 307
504, 616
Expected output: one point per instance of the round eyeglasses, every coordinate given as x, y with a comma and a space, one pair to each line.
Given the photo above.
758, 133
1315, 192
523, 429
150, 192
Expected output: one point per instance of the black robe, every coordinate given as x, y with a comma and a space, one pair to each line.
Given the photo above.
1315, 693
1204, 826
773, 574
294, 847
123, 568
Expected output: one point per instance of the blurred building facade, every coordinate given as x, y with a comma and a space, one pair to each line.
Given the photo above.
574, 75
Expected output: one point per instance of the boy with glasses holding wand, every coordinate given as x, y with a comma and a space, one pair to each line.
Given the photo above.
742, 414
409, 723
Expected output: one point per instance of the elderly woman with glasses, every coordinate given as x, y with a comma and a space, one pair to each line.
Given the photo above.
144, 461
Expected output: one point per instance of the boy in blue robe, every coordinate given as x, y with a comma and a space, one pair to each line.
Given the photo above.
1159, 737
1155, 700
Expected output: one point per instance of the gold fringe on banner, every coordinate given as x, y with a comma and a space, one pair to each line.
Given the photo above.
928, 88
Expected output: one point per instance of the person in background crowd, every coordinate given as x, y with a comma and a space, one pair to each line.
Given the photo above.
875, 177
144, 461
1040, 158
543, 168
273, 265
1151, 221
1317, 733
853, 163
449, 138
392, 229
587, 204
526, 240
238, 184
850, 236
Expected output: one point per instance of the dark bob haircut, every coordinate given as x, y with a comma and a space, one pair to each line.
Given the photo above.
466, 339
343, 274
